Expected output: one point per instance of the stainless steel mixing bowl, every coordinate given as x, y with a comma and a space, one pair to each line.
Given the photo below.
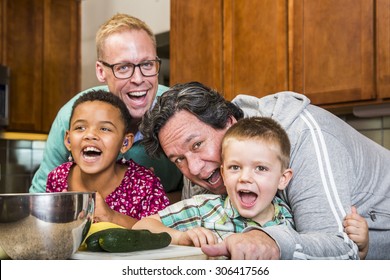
44, 225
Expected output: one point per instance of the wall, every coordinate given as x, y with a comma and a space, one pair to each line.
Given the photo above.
156, 13
19, 160
377, 129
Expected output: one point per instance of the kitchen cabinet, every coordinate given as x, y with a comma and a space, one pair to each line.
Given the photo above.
196, 42
383, 48
40, 43
333, 50
337, 52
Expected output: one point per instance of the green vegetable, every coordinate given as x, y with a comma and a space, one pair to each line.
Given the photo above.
126, 240
92, 242
119, 240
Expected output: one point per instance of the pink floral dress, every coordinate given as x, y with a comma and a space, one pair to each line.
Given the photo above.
140, 193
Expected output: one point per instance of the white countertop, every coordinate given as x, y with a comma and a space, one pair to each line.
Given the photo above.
168, 253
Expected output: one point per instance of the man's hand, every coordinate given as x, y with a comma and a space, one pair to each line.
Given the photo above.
252, 245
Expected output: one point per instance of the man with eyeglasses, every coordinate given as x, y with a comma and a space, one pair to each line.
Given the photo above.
127, 63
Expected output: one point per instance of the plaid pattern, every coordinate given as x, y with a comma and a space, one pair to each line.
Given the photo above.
216, 213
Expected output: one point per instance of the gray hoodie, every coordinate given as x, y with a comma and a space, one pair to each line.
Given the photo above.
334, 167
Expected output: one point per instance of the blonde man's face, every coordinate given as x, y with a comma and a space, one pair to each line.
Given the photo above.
135, 46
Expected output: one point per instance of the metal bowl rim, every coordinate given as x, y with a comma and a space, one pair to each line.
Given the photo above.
44, 194
52, 193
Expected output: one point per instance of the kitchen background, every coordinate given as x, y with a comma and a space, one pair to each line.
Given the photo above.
20, 154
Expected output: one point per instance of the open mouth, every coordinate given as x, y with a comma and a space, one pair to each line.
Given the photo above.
215, 177
247, 198
137, 95
91, 152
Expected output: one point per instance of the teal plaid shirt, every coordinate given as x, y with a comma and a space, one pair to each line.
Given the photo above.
216, 213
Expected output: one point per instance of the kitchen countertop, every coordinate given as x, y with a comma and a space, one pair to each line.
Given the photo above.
22, 136
172, 252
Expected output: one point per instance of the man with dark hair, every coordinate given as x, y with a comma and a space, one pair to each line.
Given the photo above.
335, 168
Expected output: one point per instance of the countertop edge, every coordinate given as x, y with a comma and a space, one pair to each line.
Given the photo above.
22, 136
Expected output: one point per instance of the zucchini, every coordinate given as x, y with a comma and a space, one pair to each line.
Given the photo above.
92, 242
117, 240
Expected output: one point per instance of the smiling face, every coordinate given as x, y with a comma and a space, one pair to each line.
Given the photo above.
96, 136
195, 148
252, 172
133, 46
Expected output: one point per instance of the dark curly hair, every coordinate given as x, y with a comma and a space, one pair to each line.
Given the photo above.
107, 97
206, 104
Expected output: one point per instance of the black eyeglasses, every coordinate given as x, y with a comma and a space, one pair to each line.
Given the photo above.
125, 70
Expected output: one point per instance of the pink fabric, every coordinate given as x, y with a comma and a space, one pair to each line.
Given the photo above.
140, 193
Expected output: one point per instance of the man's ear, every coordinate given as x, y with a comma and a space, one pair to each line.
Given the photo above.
100, 74
285, 178
232, 120
127, 142
67, 140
